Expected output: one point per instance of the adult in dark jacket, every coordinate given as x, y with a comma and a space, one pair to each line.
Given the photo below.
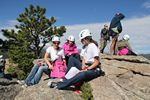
104, 38
114, 30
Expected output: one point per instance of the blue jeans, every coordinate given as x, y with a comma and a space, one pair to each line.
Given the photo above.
74, 62
80, 77
1, 74
36, 74
1, 71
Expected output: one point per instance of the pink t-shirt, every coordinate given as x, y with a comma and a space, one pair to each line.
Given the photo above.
69, 50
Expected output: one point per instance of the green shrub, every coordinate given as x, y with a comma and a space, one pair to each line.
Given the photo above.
11, 70
86, 91
16, 73
21, 74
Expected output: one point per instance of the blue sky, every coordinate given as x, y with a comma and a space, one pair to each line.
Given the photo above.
69, 12
79, 14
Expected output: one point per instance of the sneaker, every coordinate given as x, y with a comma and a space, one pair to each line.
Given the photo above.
24, 86
49, 83
102, 73
21, 82
52, 84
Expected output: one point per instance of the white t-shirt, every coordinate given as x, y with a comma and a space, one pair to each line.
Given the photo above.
89, 52
55, 54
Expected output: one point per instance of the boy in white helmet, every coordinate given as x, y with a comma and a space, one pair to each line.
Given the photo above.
52, 54
123, 47
89, 67
70, 48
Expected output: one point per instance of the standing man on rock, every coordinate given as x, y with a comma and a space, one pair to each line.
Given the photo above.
104, 37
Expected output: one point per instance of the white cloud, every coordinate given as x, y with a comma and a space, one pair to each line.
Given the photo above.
146, 4
8, 25
12, 22
139, 31
137, 28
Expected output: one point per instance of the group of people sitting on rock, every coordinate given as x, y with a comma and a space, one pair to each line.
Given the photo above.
61, 60
121, 47
86, 64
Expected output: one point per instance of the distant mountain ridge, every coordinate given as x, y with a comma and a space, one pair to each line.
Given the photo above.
146, 56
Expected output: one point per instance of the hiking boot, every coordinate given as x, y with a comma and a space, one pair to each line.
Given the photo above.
102, 73
21, 82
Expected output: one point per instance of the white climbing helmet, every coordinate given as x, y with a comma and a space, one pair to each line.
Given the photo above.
84, 33
71, 38
56, 38
126, 37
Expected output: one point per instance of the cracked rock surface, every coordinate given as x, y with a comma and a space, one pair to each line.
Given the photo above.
42, 92
126, 78
8, 89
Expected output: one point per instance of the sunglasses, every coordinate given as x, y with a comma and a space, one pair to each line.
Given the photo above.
71, 42
82, 40
56, 42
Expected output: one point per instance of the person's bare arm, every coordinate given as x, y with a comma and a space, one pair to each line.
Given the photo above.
83, 63
46, 58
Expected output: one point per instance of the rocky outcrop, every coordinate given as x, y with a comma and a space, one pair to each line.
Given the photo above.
8, 89
126, 78
42, 92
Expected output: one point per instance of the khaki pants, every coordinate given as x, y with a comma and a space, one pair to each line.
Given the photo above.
103, 43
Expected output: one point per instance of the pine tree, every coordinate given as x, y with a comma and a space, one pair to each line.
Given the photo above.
31, 35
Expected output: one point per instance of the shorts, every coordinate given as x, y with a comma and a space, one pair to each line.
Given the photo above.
114, 35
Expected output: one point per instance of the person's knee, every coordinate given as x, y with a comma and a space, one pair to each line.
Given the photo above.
82, 74
35, 67
71, 58
41, 68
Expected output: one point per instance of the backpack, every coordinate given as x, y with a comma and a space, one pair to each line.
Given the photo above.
123, 51
59, 69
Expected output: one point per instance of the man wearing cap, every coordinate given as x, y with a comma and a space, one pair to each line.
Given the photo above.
104, 37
